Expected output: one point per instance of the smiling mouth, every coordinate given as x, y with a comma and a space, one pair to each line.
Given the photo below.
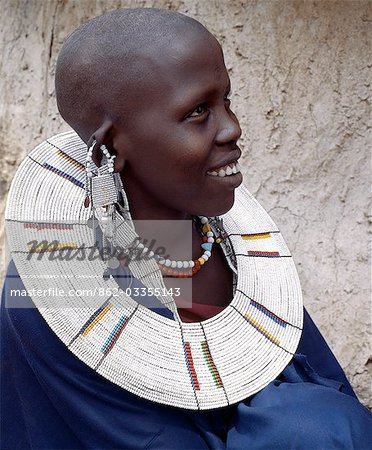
226, 171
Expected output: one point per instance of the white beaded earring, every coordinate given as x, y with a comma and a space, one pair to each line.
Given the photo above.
105, 193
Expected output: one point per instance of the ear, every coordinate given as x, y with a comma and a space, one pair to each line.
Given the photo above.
103, 135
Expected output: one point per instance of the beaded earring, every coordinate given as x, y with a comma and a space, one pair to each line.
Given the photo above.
105, 194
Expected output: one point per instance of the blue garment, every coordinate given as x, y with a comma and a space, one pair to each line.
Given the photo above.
52, 400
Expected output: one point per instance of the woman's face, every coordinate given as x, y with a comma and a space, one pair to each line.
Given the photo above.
178, 127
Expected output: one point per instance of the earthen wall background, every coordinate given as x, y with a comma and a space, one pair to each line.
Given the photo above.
301, 82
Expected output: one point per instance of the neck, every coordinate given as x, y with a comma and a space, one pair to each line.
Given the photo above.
144, 207
162, 226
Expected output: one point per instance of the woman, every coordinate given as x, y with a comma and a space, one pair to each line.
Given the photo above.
147, 91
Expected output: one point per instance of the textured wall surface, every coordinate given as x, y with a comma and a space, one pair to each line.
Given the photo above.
301, 74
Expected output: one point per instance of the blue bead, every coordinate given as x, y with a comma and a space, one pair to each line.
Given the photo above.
207, 246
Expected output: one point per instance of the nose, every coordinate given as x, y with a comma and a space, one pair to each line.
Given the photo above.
229, 130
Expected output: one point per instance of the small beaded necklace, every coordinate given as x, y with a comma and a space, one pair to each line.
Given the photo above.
186, 268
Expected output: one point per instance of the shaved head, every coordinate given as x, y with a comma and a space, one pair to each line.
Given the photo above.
105, 60
152, 86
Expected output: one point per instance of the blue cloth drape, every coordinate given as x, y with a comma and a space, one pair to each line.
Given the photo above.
51, 400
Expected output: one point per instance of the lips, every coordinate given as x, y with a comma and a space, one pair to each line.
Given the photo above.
227, 166
225, 170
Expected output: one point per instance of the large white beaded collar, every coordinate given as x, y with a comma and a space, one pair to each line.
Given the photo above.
205, 365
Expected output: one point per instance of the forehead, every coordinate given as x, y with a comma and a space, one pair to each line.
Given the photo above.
178, 70
197, 62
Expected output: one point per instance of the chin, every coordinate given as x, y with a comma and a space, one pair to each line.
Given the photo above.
219, 208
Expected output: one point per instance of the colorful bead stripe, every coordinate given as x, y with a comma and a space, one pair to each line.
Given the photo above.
41, 248
261, 329
249, 237
114, 336
63, 175
95, 318
190, 366
267, 254
269, 314
211, 365
71, 160
42, 226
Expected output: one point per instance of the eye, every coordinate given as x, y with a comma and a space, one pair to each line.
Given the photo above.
199, 111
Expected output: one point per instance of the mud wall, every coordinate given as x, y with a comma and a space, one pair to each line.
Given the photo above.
301, 74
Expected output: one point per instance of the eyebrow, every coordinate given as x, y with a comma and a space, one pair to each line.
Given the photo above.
202, 95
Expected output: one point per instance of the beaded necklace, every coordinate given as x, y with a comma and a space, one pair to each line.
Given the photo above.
187, 268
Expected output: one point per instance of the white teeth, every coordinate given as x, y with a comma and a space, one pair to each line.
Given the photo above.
228, 170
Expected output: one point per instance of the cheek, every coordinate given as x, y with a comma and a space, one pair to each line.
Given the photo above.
165, 149
194, 151
178, 157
